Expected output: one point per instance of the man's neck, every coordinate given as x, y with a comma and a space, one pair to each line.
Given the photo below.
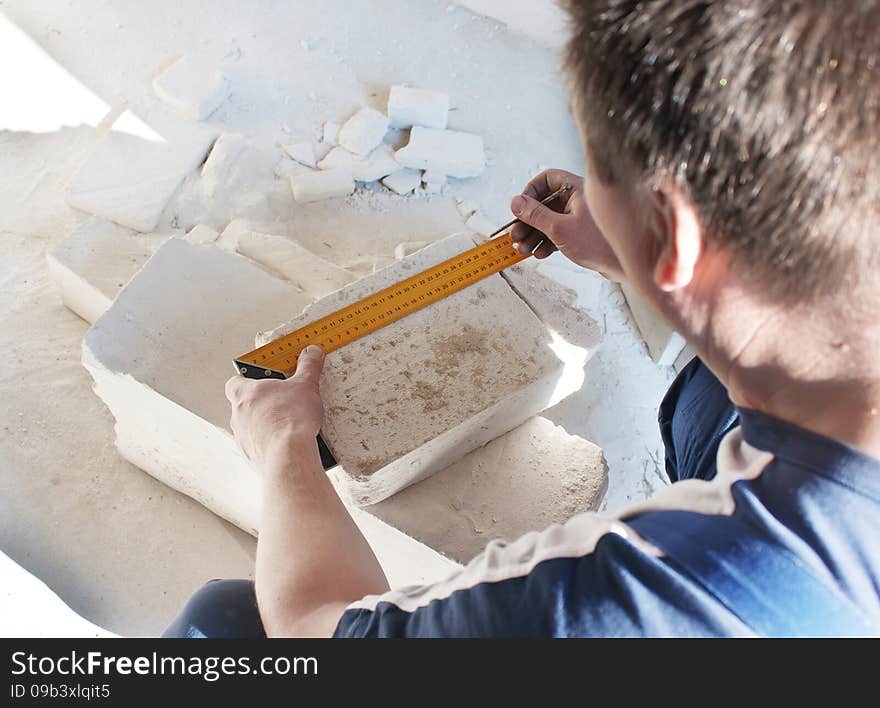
810, 366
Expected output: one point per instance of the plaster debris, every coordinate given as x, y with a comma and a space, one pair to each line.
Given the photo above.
285, 258
129, 180
379, 163
663, 343
95, 262
160, 368
403, 182
407, 248
330, 133
525, 480
303, 153
337, 157
363, 131
411, 106
479, 224
322, 184
200, 233
192, 89
451, 152
414, 397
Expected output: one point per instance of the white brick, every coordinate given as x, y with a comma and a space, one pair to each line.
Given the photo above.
411, 106
451, 152
415, 396
322, 184
363, 131
192, 88
95, 262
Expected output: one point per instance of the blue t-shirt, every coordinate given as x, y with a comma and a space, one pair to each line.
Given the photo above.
784, 541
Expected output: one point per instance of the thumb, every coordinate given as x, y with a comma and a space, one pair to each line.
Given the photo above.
532, 212
309, 364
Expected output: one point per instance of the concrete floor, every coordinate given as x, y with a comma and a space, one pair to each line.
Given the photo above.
120, 548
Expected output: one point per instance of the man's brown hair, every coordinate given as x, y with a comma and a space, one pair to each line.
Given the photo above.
764, 111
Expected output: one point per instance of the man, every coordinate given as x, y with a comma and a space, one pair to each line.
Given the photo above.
731, 179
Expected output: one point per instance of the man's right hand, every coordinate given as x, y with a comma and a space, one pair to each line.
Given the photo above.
572, 231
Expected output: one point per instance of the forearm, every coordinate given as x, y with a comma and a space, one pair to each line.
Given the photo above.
312, 560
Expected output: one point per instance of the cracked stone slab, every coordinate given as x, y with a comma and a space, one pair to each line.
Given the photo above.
412, 398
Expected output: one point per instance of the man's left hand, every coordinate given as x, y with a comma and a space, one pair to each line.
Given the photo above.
269, 414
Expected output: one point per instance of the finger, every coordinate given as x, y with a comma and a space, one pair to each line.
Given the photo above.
520, 231
535, 214
546, 248
530, 242
309, 364
549, 181
233, 388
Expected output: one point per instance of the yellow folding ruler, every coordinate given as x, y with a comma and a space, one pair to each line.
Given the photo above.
277, 359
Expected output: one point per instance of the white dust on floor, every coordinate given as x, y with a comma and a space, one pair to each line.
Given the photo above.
121, 548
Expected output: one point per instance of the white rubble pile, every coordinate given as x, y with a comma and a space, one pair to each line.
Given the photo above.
359, 145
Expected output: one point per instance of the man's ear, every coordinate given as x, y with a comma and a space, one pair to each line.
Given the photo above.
679, 236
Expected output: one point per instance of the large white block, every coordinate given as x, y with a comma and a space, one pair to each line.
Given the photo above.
415, 396
364, 131
450, 152
95, 262
411, 106
160, 357
192, 88
322, 184
524, 480
129, 180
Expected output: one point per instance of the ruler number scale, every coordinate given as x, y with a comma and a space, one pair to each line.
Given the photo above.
277, 359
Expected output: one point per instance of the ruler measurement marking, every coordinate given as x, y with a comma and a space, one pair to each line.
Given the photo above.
354, 321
